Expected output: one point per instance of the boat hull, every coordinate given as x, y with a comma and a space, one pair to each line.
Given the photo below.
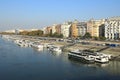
81, 59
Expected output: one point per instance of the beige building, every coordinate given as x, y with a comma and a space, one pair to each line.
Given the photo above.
74, 29
48, 30
58, 28
53, 28
93, 26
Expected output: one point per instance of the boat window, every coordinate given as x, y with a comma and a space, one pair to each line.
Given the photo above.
98, 58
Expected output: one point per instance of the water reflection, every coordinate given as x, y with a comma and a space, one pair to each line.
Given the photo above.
112, 67
39, 50
17, 63
75, 62
57, 54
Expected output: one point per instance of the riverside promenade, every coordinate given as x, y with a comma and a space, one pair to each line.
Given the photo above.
70, 44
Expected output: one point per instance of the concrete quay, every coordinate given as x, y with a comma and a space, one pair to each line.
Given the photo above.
70, 45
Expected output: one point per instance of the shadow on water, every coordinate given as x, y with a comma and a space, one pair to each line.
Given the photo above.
55, 53
81, 63
112, 67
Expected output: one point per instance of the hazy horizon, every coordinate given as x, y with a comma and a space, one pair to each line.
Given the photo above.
26, 14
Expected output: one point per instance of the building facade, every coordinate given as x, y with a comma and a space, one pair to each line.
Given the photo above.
74, 29
82, 28
58, 28
53, 28
93, 27
65, 29
112, 28
44, 30
48, 30
102, 30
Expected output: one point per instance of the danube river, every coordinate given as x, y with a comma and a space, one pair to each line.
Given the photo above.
17, 63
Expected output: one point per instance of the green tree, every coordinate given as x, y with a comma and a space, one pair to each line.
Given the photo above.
61, 36
32, 33
79, 36
24, 33
57, 35
87, 35
96, 38
102, 38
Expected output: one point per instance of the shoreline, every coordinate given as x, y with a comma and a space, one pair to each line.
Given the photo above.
68, 46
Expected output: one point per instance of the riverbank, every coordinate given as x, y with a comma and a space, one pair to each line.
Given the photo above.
70, 46
113, 51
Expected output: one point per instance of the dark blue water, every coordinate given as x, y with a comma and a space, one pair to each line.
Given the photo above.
18, 63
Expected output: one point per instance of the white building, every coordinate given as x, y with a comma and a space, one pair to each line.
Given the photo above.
112, 28
65, 29
44, 30
10, 31
53, 28
82, 28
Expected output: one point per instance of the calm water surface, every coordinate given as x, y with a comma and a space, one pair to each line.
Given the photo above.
18, 63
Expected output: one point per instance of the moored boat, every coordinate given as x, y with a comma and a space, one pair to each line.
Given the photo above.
78, 55
102, 59
90, 57
55, 49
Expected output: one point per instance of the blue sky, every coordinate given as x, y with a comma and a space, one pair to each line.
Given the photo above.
26, 14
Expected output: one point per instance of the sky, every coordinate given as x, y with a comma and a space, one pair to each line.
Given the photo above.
27, 14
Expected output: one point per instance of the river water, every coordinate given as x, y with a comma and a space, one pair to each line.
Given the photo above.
17, 63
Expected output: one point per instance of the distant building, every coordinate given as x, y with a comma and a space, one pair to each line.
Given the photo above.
102, 30
58, 28
48, 30
17, 31
10, 31
112, 28
82, 28
65, 29
74, 29
53, 28
44, 30
93, 26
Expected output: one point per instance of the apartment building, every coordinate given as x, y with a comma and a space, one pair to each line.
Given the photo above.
74, 29
65, 29
93, 26
82, 28
112, 28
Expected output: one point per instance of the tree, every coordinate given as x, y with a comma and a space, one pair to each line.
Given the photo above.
24, 33
102, 38
32, 33
96, 38
61, 36
7, 33
57, 35
87, 35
